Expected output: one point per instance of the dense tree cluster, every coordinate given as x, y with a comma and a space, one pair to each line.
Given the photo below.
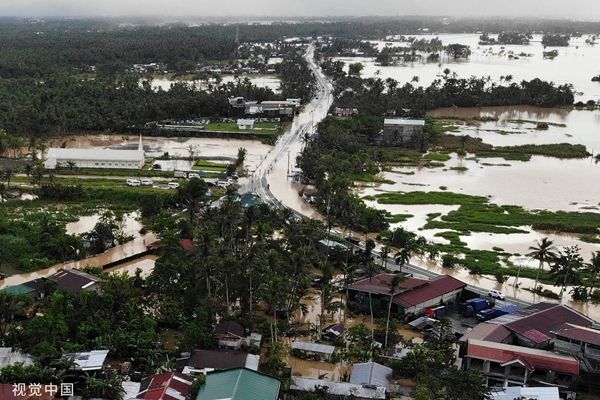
378, 97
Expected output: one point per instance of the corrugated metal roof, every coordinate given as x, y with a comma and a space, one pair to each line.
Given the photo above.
536, 359
239, 384
371, 373
380, 284
18, 289
313, 347
8, 357
581, 333
488, 332
95, 154
533, 393
401, 121
544, 317
345, 389
88, 361
436, 287
218, 359
168, 386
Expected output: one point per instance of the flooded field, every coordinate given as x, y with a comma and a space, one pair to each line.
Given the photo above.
207, 148
494, 61
517, 125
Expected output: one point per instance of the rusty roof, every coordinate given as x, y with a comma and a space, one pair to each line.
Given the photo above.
581, 333
380, 284
532, 358
432, 289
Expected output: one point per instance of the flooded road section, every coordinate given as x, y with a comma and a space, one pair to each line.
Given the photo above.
494, 61
130, 225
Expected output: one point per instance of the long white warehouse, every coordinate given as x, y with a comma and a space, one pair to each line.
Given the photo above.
96, 158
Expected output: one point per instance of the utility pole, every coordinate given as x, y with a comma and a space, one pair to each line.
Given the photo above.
288, 162
237, 35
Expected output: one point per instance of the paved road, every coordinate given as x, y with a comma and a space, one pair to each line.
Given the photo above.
265, 176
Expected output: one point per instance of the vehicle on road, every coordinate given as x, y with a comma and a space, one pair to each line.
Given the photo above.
133, 182
352, 239
180, 174
147, 182
173, 185
496, 294
223, 184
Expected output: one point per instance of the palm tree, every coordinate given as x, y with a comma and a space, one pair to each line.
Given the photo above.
71, 165
403, 256
593, 268
385, 252
544, 252
394, 282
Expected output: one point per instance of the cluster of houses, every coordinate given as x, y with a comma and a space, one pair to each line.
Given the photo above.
72, 281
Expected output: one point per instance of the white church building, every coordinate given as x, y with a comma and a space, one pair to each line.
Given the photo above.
96, 158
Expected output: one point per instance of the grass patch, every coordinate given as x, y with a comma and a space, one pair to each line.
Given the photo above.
114, 172
528, 121
460, 169
396, 218
372, 178
437, 156
590, 239
260, 128
476, 146
476, 214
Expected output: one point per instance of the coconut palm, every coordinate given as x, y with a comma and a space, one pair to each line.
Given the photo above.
544, 251
394, 282
593, 268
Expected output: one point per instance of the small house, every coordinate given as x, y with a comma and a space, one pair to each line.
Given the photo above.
315, 350
245, 124
371, 374
403, 132
203, 361
229, 335
88, 361
240, 383
75, 281
167, 386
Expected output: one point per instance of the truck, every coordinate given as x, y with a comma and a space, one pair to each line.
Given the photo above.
472, 306
435, 312
499, 310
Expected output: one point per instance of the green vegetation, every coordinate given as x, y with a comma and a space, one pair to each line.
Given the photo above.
437, 157
396, 218
372, 178
476, 214
260, 128
528, 121
590, 239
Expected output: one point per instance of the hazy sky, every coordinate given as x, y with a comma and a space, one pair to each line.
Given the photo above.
582, 9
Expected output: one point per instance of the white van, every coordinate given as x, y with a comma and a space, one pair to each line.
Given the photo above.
181, 174
223, 184
172, 185
147, 182
133, 182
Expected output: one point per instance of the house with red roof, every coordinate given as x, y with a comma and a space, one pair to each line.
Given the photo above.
167, 386
411, 296
509, 365
581, 342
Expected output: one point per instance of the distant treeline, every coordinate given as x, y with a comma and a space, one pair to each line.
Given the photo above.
38, 48
378, 97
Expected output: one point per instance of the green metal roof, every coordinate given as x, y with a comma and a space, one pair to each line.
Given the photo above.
18, 289
239, 384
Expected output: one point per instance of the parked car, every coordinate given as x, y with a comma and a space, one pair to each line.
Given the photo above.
133, 182
496, 294
180, 174
223, 184
147, 182
172, 185
352, 239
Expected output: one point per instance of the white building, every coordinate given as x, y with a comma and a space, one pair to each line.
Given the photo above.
96, 158
245, 124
